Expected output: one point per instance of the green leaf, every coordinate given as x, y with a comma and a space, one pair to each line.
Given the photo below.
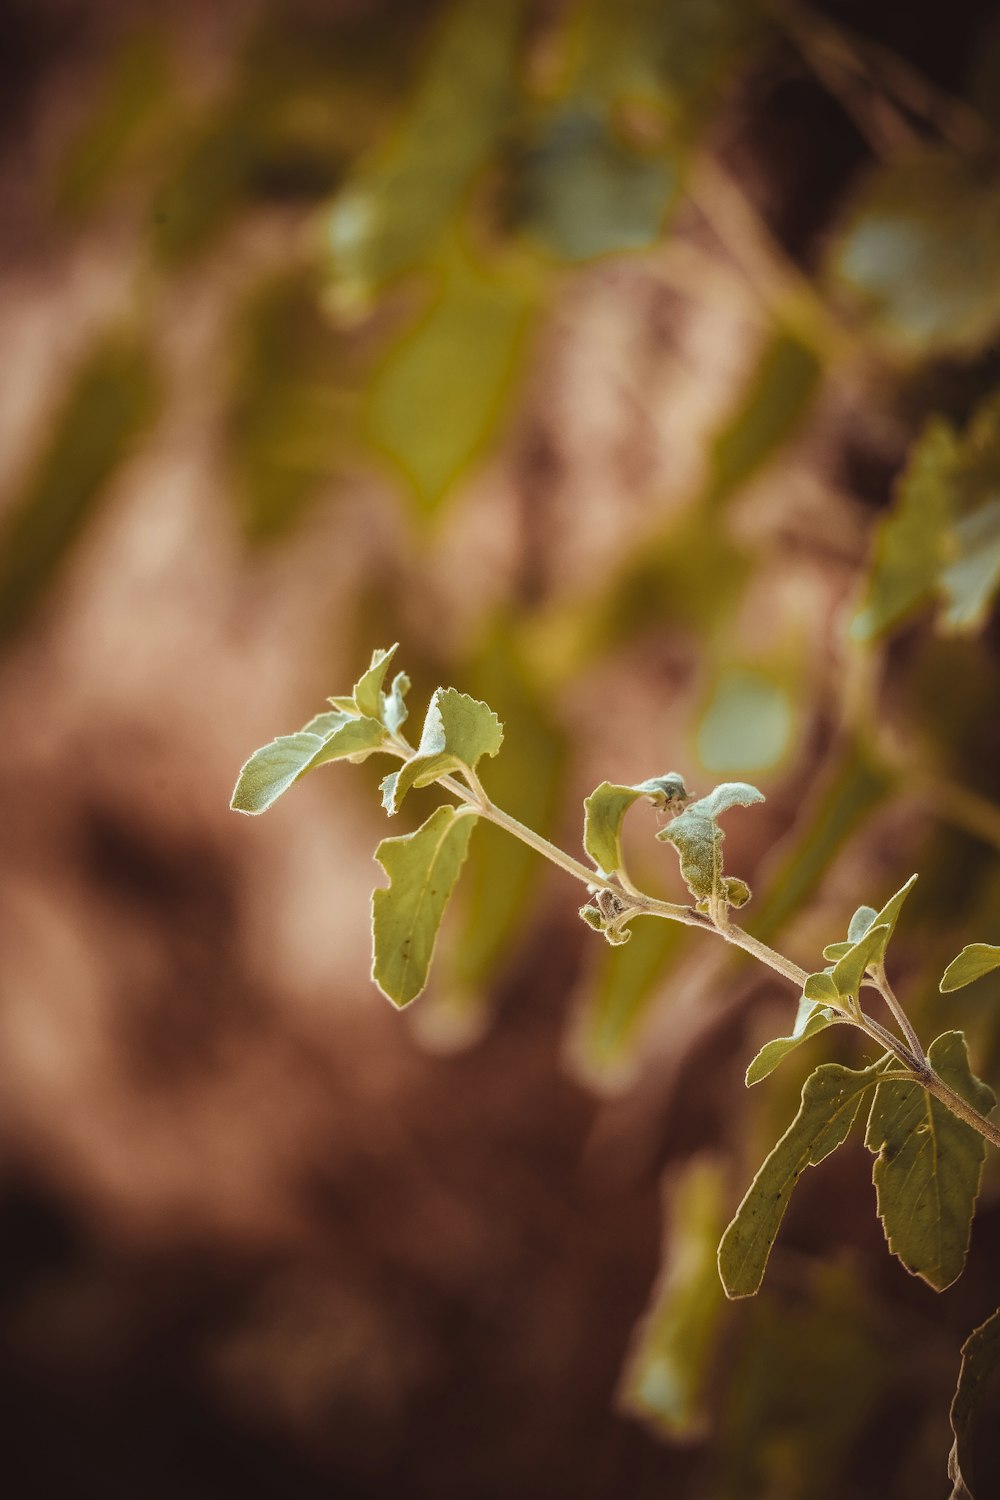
368, 688
665, 1380
273, 768
920, 252
422, 868
697, 837
605, 809
864, 919
977, 1384
942, 537
809, 1019
458, 731
394, 709
820, 988
928, 1165
748, 725
849, 971
831, 1098
975, 960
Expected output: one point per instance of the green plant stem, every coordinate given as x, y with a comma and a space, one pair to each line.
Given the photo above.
909, 1052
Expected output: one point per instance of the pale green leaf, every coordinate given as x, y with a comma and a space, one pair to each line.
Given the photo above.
394, 709
696, 835
867, 917
665, 1380
368, 689
326, 723
928, 1165
831, 1098
748, 724
458, 731
605, 809
273, 768
809, 1019
422, 868
821, 989
974, 1403
975, 960
860, 923
849, 971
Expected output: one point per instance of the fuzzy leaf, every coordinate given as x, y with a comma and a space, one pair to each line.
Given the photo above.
697, 837
849, 971
368, 689
821, 989
831, 1098
458, 731
394, 709
867, 917
273, 768
422, 868
975, 960
809, 1019
977, 1381
605, 809
928, 1165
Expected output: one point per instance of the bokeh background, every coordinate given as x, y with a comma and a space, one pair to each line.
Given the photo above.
635, 366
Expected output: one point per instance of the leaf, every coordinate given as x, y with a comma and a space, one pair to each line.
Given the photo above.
273, 768
698, 839
605, 809
920, 251
394, 709
666, 1373
928, 1165
820, 988
867, 917
458, 731
809, 1019
422, 868
831, 1098
942, 537
368, 688
977, 1382
849, 971
975, 960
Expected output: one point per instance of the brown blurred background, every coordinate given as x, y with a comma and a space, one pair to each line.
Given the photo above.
584, 349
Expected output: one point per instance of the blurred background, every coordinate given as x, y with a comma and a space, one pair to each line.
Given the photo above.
635, 366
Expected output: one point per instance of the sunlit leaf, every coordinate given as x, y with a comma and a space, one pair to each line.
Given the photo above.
974, 1405
605, 809
975, 960
458, 731
273, 768
696, 835
942, 538
863, 920
831, 1098
920, 250
809, 1019
422, 868
368, 689
849, 971
928, 1165
667, 1370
